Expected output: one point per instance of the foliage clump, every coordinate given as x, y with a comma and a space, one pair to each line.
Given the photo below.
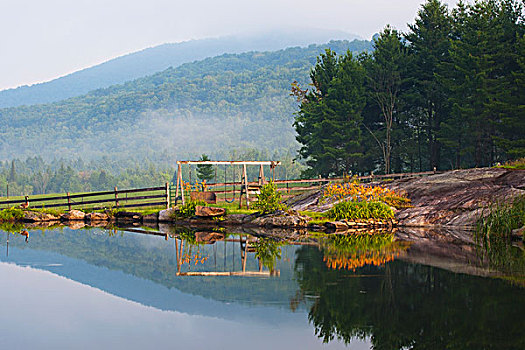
502, 219
351, 210
187, 210
356, 192
518, 164
11, 214
269, 200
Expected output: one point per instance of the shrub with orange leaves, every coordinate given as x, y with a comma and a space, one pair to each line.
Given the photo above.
356, 192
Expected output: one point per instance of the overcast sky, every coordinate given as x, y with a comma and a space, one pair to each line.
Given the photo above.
45, 39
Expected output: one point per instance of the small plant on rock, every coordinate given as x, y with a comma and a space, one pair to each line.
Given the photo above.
188, 209
269, 200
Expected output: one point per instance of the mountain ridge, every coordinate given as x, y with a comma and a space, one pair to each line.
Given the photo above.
155, 59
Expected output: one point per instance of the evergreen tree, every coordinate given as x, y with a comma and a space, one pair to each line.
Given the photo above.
205, 171
329, 118
429, 39
386, 70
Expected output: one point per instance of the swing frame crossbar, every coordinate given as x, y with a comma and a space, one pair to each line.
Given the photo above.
244, 180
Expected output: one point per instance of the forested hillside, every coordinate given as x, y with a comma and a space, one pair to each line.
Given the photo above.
156, 59
235, 106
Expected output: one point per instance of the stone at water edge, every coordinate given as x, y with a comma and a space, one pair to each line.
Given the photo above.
73, 215
209, 212
150, 217
167, 215
336, 225
97, 217
31, 216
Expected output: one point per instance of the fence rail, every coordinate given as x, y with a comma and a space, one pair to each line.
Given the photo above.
116, 198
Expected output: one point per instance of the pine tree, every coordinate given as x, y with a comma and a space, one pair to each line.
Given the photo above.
429, 39
205, 171
385, 74
328, 122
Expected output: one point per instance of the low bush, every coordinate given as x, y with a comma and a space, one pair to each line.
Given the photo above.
11, 214
356, 192
187, 210
360, 210
269, 200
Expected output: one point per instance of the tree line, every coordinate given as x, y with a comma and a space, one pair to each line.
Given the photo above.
447, 94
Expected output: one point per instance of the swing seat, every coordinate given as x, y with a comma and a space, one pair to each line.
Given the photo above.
206, 196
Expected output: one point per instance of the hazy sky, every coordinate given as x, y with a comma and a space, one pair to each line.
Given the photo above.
42, 40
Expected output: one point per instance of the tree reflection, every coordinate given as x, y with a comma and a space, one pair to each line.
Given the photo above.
403, 305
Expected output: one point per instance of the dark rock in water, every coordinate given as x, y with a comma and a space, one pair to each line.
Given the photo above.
127, 216
336, 225
276, 220
73, 215
234, 219
151, 218
209, 212
97, 217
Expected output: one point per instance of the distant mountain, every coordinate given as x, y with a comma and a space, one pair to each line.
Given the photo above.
156, 59
211, 106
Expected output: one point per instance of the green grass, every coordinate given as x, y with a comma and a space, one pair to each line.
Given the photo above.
501, 219
232, 208
318, 218
517, 164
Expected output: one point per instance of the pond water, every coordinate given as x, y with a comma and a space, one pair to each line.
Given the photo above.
67, 288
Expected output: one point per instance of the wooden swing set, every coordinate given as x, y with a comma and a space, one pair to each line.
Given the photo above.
245, 186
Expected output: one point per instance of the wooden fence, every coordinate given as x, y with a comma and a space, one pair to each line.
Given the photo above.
133, 198
165, 195
294, 187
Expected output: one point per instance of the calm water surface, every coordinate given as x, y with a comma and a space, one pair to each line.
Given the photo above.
68, 289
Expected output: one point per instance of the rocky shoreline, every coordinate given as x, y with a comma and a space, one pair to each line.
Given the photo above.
206, 217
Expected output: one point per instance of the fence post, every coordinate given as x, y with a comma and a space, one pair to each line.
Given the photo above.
116, 196
68, 201
168, 200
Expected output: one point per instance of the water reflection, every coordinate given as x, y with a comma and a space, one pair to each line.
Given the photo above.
353, 251
362, 291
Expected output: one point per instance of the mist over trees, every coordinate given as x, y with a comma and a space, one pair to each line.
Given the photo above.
212, 106
447, 94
